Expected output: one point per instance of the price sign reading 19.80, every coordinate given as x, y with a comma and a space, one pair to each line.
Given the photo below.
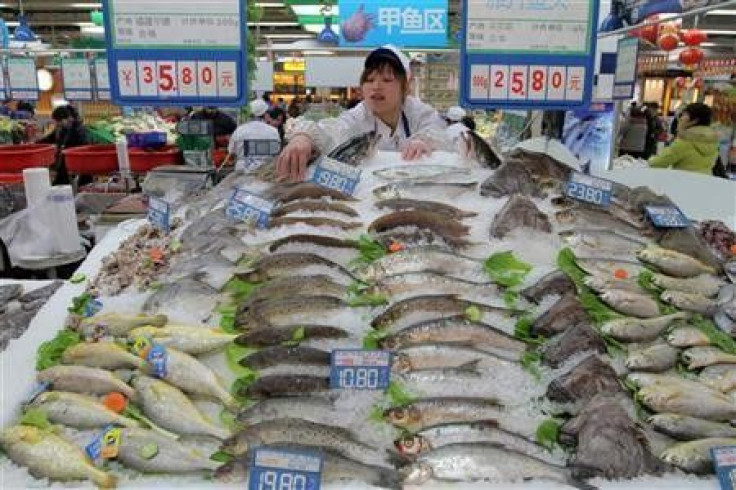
589, 189
336, 175
724, 464
159, 214
284, 469
360, 369
667, 217
244, 206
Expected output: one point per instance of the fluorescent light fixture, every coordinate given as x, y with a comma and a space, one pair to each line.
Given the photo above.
82, 24
270, 4
92, 30
288, 36
302, 10
318, 53
720, 33
721, 12
86, 5
317, 28
273, 24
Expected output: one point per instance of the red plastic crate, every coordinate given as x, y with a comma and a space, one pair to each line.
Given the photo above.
142, 160
15, 158
91, 159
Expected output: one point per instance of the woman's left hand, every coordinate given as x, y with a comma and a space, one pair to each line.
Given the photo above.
415, 149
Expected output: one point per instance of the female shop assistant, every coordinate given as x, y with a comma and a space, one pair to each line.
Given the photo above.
404, 123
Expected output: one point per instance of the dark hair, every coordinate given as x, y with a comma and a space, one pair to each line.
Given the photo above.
700, 113
469, 122
64, 112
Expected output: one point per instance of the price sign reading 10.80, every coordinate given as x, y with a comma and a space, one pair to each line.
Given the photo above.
360, 369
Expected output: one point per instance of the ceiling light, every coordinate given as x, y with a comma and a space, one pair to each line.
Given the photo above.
270, 4
274, 24
86, 5
721, 12
288, 36
313, 10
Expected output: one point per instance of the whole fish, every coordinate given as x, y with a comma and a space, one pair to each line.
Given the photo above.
290, 286
296, 431
556, 282
82, 379
276, 335
674, 263
191, 376
432, 412
704, 284
298, 356
286, 193
438, 356
721, 377
357, 149
687, 337
170, 409
105, 355
418, 171
285, 385
697, 357
695, 456
700, 403
435, 207
291, 263
602, 243
211, 269
148, 452
519, 212
686, 428
509, 179
600, 284
423, 259
694, 302
455, 330
657, 358
490, 462
80, 411
640, 330
191, 340
47, 455
410, 285
589, 218
335, 469
117, 325
318, 240
312, 207
314, 221
289, 311
429, 439
312, 409
631, 304
589, 378
478, 149
408, 237
188, 297
608, 267
436, 222
649, 380
422, 308
417, 188
581, 337
566, 312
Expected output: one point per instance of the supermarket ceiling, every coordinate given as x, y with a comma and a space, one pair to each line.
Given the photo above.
65, 23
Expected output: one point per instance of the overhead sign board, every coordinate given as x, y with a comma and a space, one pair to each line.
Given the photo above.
102, 79
176, 52
22, 79
624, 80
77, 76
524, 54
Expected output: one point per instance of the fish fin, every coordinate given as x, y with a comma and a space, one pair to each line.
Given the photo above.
470, 367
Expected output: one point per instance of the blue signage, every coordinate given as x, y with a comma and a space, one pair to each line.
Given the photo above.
724, 464
245, 206
528, 54
589, 189
336, 175
624, 80
170, 52
355, 369
281, 468
667, 217
159, 214
405, 23
157, 359
635, 11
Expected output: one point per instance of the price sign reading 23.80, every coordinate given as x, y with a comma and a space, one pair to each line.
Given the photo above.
589, 189
360, 369
284, 469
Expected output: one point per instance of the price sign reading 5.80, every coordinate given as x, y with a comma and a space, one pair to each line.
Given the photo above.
284, 469
589, 189
244, 206
360, 370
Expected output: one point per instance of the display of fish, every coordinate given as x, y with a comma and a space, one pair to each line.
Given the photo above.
423, 259
581, 337
687, 337
695, 456
674, 263
292, 263
510, 179
602, 243
117, 325
519, 212
82, 379
298, 356
187, 339
314, 221
312, 409
656, 358
149, 452
476, 148
704, 284
587, 379
631, 304
419, 189
565, 313
314, 206
587, 218
418, 171
289, 311
405, 286
686, 428
600, 266
170, 409
277, 335
448, 229
701, 403
432, 412
286, 193
291, 286
47, 455
185, 297
285, 385
446, 210
601, 284
105, 355
317, 240
80, 411
356, 149
640, 330
438, 356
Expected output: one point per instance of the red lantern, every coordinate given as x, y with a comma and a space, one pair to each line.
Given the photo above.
648, 32
691, 56
693, 37
668, 42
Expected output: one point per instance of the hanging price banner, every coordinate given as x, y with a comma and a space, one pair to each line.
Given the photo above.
336, 175
245, 206
277, 469
667, 217
22, 78
3, 83
77, 77
589, 189
360, 369
102, 77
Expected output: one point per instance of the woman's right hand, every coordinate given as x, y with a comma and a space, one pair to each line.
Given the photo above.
291, 164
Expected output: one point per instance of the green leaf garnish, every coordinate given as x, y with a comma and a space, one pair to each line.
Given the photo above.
77, 278
296, 338
356, 288
175, 245
505, 269
369, 249
398, 396
222, 457
473, 313
530, 361
567, 263
49, 353
523, 327
376, 414
548, 433
239, 289
717, 337
79, 303
372, 341
367, 300
511, 297
233, 354
35, 418
241, 385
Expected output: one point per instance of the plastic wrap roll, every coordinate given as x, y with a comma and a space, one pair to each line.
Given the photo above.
37, 185
63, 218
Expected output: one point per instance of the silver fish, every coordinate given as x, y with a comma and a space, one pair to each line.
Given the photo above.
686, 428
82, 379
640, 330
432, 412
687, 337
357, 149
599, 284
149, 452
105, 355
423, 259
451, 188
698, 357
80, 411
602, 243
704, 284
631, 304
596, 266
657, 358
694, 456
184, 297
721, 377
674, 263
411, 172
191, 340
312, 409
459, 381
701, 403
438, 356
406, 286
696, 302
117, 325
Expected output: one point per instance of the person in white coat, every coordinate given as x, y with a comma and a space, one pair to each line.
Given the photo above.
404, 123
254, 130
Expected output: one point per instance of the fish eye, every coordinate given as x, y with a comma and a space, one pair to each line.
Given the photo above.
408, 442
397, 413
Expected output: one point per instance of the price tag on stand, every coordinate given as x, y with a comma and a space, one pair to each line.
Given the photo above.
77, 77
589, 189
279, 468
667, 217
360, 369
159, 214
102, 77
336, 175
724, 464
22, 78
105, 445
246, 206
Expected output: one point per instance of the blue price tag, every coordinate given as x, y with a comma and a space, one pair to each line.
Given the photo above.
159, 214
360, 369
589, 189
284, 469
724, 463
667, 217
105, 444
92, 307
336, 175
248, 207
156, 359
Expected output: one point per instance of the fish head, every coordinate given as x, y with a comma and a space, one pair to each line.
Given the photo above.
412, 445
416, 474
232, 472
402, 363
237, 444
388, 343
668, 296
402, 416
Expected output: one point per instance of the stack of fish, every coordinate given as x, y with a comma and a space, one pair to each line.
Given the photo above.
17, 309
